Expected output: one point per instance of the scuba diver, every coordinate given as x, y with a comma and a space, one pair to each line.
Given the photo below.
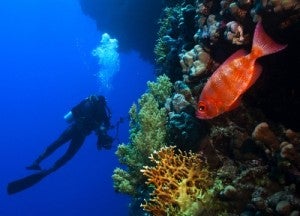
91, 114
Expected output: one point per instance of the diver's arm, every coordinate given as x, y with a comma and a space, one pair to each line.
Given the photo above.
79, 109
101, 133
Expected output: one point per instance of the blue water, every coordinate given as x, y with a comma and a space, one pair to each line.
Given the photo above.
46, 69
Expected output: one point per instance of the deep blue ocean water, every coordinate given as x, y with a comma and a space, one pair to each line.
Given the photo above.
46, 69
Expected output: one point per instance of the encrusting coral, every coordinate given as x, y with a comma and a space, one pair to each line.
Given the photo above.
194, 62
147, 134
199, 35
182, 183
234, 33
165, 42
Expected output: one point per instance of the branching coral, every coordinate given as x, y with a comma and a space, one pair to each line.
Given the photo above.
147, 133
286, 152
181, 183
264, 134
161, 89
123, 181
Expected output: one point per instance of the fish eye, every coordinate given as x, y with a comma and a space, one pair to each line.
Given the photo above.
201, 107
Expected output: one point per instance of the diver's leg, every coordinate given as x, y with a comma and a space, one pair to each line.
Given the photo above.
73, 148
63, 138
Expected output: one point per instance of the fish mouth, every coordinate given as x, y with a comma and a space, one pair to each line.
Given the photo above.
201, 115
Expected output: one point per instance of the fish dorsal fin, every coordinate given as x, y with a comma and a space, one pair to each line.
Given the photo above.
237, 54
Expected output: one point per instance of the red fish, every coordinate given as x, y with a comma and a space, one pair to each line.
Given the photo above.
229, 82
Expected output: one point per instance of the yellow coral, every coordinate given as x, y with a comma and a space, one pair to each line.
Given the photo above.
181, 183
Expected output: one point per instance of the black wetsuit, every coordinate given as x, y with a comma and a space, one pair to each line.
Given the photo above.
88, 115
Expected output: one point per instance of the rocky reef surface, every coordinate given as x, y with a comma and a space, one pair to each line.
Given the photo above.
133, 23
243, 162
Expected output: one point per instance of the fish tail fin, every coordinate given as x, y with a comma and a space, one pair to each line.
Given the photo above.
263, 44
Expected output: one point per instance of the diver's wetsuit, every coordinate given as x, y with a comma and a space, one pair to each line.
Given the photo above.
90, 114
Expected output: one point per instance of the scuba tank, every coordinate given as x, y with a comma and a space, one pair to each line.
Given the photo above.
69, 117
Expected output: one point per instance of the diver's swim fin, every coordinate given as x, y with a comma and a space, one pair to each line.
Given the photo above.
26, 182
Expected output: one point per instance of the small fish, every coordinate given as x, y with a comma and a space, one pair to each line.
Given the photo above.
229, 82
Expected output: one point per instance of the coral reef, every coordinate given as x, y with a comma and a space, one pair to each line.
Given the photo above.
258, 179
234, 33
164, 42
167, 46
185, 131
194, 63
199, 35
161, 89
286, 152
181, 184
147, 134
263, 134
282, 202
250, 155
123, 181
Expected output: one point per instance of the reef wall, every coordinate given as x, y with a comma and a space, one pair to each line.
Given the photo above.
243, 162
133, 23
197, 36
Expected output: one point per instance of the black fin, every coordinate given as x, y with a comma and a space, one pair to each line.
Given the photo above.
26, 182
